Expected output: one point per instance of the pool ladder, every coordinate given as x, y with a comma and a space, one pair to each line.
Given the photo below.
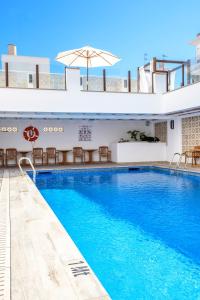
181, 155
30, 162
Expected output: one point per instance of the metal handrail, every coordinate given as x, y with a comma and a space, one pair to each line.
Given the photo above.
172, 160
180, 158
30, 162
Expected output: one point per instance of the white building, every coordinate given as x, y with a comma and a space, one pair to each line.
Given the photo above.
60, 109
195, 63
22, 69
24, 63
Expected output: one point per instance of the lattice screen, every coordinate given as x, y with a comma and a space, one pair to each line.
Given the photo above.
161, 131
190, 133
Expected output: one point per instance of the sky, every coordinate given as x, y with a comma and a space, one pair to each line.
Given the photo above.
127, 28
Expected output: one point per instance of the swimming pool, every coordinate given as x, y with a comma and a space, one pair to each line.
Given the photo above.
139, 229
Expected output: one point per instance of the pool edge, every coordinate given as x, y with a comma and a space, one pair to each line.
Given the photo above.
81, 285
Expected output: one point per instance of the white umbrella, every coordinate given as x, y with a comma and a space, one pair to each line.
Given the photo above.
87, 57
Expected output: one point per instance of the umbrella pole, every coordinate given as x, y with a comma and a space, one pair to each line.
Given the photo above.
87, 70
87, 78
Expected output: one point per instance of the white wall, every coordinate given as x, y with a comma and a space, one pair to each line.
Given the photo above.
75, 101
174, 138
103, 133
182, 99
160, 83
35, 100
138, 152
25, 63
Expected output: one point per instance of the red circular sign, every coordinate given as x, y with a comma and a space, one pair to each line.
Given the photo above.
31, 133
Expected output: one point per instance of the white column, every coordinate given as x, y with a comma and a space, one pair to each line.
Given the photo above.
174, 138
73, 79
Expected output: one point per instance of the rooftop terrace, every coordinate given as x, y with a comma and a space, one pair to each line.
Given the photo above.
157, 76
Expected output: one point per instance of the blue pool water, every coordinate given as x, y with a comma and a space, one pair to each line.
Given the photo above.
139, 230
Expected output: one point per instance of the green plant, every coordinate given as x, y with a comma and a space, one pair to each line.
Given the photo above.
141, 136
133, 134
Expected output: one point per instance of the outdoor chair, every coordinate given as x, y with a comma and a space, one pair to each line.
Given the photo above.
104, 152
51, 154
11, 155
38, 154
194, 154
2, 157
78, 152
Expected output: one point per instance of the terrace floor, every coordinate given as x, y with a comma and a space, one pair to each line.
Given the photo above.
38, 259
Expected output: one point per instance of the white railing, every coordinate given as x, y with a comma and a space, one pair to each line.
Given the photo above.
172, 160
181, 155
184, 154
30, 80
21, 170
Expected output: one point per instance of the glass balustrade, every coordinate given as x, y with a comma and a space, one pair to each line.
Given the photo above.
110, 80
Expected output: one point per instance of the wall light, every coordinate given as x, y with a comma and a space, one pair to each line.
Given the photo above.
172, 124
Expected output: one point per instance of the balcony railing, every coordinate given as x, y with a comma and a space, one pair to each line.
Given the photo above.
98, 81
189, 77
28, 80
108, 84
102, 81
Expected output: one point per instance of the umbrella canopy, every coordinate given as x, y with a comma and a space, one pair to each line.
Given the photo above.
87, 57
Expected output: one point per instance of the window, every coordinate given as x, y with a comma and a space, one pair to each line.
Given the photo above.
81, 80
125, 83
161, 131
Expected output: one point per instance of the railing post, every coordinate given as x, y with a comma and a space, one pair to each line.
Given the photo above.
167, 81
183, 75
37, 77
129, 81
104, 80
154, 65
6, 75
188, 72
65, 78
138, 79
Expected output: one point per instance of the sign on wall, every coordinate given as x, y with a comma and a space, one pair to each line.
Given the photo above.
8, 129
53, 129
85, 133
